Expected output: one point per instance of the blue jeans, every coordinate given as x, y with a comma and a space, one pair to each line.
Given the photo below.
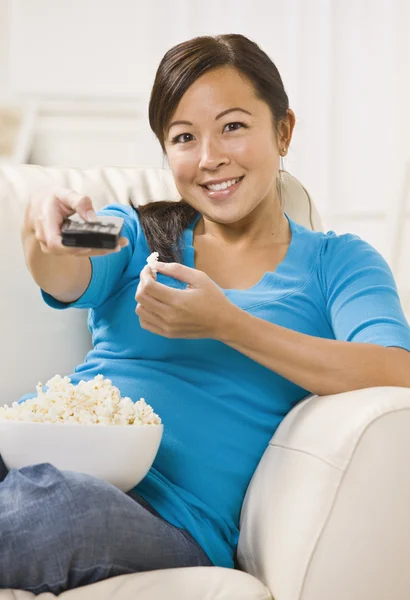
61, 530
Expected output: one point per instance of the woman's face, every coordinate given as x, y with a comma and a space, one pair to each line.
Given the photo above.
237, 144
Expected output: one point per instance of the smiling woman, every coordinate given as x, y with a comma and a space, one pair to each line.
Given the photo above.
247, 313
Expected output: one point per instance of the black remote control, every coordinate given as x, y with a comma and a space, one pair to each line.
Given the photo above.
104, 233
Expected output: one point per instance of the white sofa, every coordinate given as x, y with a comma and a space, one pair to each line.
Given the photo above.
327, 513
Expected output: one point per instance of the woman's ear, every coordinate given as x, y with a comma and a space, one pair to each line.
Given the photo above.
286, 126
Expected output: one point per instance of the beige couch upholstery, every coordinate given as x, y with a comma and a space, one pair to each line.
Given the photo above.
327, 513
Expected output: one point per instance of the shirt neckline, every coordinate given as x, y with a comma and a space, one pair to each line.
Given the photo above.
268, 279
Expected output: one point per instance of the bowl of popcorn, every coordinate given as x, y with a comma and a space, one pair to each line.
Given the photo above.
88, 428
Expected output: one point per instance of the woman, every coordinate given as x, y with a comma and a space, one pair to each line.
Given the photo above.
249, 313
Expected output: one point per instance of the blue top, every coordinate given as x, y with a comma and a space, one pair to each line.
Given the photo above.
220, 408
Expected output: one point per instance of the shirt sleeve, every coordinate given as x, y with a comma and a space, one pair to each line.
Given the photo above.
106, 270
363, 303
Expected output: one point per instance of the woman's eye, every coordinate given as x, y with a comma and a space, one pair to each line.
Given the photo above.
177, 139
236, 123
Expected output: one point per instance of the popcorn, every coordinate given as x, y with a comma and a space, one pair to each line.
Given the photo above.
152, 260
90, 402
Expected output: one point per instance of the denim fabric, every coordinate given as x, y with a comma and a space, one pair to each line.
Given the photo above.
61, 530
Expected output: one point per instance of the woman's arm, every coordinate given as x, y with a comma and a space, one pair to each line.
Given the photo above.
60, 271
64, 277
318, 365
362, 305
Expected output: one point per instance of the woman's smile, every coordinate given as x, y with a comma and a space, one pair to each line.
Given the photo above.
219, 194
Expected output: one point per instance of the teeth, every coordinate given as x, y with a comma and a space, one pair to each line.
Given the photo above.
223, 185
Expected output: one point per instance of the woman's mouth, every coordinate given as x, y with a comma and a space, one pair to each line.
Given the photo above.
216, 194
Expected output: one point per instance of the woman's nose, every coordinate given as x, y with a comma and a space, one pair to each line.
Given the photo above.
212, 155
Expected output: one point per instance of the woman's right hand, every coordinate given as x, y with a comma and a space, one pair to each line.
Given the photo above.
49, 208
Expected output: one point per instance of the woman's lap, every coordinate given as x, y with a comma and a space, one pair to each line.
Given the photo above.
60, 530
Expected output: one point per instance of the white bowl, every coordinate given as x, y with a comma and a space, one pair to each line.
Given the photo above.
119, 454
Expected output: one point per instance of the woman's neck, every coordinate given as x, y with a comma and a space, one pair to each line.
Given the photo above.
245, 236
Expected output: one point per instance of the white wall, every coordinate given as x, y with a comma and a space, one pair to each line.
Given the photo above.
91, 48
5, 90
345, 65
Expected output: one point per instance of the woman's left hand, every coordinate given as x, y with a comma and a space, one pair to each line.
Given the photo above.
198, 311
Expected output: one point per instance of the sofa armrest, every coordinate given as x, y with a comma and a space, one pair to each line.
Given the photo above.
327, 512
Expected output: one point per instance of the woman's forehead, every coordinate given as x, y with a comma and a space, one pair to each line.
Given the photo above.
215, 94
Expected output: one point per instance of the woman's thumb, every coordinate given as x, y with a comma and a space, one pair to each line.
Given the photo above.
86, 210
91, 216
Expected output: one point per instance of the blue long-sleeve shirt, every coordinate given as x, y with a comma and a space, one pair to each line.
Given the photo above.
220, 408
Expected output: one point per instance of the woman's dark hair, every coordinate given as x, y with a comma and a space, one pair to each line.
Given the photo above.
163, 222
